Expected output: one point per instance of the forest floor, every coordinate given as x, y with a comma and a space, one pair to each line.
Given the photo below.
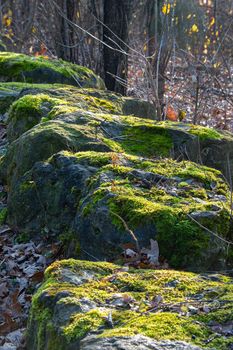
22, 268
213, 103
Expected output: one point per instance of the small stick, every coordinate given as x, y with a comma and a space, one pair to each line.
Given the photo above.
128, 230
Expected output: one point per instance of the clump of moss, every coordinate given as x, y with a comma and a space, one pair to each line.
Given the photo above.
3, 216
92, 157
27, 112
205, 133
84, 323
148, 141
202, 132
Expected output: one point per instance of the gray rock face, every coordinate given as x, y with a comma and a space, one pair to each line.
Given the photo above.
213, 153
66, 187
6, 99
137, 342
200, 215
138, 108
67, 307
76, 279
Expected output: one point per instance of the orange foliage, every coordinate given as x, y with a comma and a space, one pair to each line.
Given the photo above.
42, 51
171, 114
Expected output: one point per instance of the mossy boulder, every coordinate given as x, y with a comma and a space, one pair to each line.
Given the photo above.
128, 133
27, 112
18, 67
44, 140
157, 199
83, 305
38, 103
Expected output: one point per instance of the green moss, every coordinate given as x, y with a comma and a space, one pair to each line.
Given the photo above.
77, 265
91, 157
42, 142
115, 146
28, 105
202, 132
205, 133
27, 112
159, 326
185, 170
181, 241
84, 323
147, 141
3, 216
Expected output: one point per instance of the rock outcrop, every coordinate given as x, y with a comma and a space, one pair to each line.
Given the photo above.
76, 161
84, 305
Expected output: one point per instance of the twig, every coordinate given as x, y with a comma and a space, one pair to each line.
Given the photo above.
127, 229
211, 232
91, 256
2, 262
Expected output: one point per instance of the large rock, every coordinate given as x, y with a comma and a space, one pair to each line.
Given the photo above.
85, 189
204, 145
30, 69
83, 306
37, 104
131, 134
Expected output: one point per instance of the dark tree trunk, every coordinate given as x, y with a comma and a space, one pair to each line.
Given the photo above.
116, 20
68, 50
153, 25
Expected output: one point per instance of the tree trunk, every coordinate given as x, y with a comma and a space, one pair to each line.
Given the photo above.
116, 20
68, 49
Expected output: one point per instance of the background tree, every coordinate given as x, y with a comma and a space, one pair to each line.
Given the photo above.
117, 16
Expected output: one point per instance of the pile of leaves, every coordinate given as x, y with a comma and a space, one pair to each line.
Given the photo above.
22, 268
143, 258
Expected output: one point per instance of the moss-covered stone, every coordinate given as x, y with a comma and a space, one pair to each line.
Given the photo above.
27, 112
83, 189
42, 102
19, 67
43, 141
185, 309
